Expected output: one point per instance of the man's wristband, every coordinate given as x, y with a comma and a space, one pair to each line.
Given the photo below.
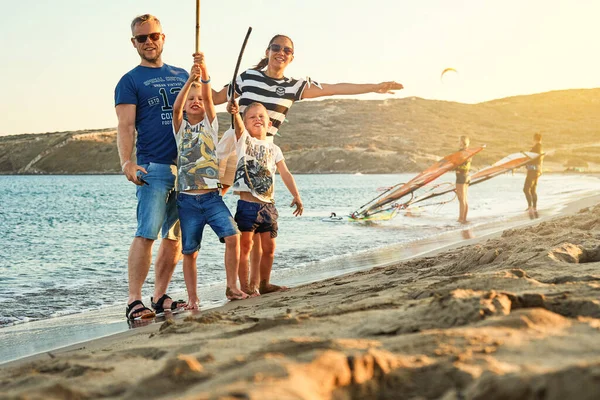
124, 164
203, 81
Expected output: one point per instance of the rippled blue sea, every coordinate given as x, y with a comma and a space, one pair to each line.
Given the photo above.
65, 239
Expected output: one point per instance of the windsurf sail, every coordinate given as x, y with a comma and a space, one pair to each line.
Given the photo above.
506, 164
443, 192
381, 207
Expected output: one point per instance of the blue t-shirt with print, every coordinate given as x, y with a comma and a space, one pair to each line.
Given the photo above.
153, 91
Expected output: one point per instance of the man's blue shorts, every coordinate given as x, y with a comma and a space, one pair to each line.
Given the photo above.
256, 217
195, 211
157, 203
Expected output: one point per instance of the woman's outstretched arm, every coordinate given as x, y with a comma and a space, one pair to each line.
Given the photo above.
328, 89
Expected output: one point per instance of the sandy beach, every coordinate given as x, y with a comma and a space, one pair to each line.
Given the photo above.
512, 317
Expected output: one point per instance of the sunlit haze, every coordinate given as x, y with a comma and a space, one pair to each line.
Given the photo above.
62, 59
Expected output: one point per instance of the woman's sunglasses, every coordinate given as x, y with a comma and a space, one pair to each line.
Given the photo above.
153, 36
276, 48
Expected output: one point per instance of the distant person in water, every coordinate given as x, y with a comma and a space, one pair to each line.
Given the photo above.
462, 182
258, 160
267, 84
534, 170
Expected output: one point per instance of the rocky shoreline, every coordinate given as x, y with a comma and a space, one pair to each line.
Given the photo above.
366, 136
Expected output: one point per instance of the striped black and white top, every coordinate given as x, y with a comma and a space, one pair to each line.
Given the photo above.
277, 95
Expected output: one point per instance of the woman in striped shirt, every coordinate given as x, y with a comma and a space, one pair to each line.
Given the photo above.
267, 84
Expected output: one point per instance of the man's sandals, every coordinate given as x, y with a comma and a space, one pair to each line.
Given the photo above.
159, 305
133, 313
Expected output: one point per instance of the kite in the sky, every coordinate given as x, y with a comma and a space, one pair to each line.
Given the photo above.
447, 70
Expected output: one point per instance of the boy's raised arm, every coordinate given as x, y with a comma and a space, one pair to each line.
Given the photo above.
238, 123
290, 183
207, 93
181, 96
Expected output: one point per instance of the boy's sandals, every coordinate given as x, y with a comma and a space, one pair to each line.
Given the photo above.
235, 296
159, 305
132, 313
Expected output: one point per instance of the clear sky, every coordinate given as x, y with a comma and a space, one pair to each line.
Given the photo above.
62, 59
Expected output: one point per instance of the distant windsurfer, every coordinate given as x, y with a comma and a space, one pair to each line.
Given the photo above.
534, 170
462, 182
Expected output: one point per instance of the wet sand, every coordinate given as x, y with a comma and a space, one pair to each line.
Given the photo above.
24, 340
513, 316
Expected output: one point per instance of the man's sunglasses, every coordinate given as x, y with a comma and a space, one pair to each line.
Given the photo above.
153, 36
276, 48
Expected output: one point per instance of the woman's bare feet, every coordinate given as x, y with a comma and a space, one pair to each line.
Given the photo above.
193, 303
265, 288
235, 294
251, 292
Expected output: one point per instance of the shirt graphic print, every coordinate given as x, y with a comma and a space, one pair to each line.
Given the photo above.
197, 163
256, 167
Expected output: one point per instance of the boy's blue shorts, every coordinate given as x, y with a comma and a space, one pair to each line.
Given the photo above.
157, 207
256, 217
195, 211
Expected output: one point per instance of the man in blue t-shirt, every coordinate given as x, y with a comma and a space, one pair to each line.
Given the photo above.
143, 101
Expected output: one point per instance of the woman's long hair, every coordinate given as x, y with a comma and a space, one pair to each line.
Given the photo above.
265, 60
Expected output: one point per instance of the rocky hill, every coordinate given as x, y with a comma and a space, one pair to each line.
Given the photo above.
368, 136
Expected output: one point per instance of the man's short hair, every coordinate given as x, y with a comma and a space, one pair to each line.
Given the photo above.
537, 137
141, 19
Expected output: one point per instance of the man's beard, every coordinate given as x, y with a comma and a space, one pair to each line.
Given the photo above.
151, 60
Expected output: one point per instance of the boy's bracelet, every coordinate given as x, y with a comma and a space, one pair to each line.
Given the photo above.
203, 81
